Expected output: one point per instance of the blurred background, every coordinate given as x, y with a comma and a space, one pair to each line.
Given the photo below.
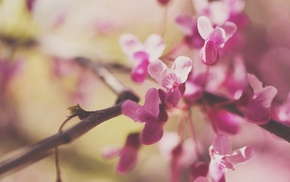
38, 82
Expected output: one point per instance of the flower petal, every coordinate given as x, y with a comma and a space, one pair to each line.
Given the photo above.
204, 27
267, 95
170, 80
172, 98
239, 156
151, 133
152, 102
139, 71
255, 83
216, 171
129, 109
130, 44
222, 145
210, 53
154, 46
256, 113
226, 121
128, 159
229, 28
155, 70
218, 36
110, 152
182, 66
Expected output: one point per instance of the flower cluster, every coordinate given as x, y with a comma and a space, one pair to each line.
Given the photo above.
213, 79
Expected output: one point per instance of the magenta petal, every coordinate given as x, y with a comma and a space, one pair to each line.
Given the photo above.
227, 122
222, 145
155, 70
239, 156
255, 83
152, 102
170, 80
151, 133
204, 27
128, 159
211, 53
182, 66
230, 28
218, 37
154, 46
172, 98
216, 171
139, 72
129, 109
267, 95
256, 113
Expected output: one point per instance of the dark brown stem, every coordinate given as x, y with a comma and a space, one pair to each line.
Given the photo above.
42, 148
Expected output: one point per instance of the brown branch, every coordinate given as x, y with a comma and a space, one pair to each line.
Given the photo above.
39, 150
89, 120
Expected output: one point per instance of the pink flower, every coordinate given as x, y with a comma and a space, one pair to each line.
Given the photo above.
141, 54
189, 27
222, 157
152, 114
170, 78
215, 38
128, 154
256, 105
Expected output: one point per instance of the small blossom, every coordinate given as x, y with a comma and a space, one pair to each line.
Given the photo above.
128, 154
215, 38
141, 53
222, 157
171, 78
152, 114
256, 105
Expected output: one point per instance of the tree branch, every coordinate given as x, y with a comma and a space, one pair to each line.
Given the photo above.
89, 120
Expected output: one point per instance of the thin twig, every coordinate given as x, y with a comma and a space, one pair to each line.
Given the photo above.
56, 156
